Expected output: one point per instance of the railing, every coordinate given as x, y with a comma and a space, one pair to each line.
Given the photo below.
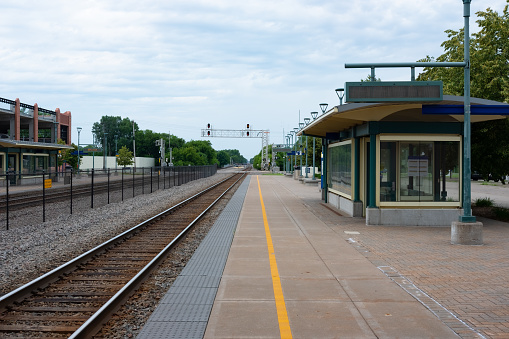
107, 185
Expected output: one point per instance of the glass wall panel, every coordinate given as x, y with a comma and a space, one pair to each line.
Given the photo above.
388, 171
447, 159
34, 163
416, 171
340, 168
413, 171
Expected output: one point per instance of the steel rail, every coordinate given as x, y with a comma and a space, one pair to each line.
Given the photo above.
26, 290
95, 322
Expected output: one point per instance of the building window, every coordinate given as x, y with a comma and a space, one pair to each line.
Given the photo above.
340, 167
34, 164
419, 171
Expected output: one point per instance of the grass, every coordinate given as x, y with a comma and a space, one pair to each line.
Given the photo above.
483, 202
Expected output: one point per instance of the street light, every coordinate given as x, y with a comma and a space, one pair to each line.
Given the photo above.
341, 94
314, 115
79, 131
289, 135
105, 150
295, 130
306, 121
116, 152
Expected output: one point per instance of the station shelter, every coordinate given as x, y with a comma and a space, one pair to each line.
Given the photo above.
397, 163
29, 138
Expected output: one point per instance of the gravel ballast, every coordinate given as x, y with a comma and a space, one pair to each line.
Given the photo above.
30, 250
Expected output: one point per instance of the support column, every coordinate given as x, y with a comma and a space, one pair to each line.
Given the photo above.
35, 122
57, 125
372, 171
357, 171
324, 169
17, 121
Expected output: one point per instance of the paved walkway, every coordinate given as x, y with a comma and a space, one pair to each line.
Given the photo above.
472, 282
292, 271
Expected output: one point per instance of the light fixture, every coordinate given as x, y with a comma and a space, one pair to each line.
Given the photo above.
323, 107
341, 94
307, 120
314, 115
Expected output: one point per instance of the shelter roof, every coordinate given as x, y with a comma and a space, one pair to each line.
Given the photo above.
346, 116
32, 145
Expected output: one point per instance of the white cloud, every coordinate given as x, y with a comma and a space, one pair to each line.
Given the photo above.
190, 62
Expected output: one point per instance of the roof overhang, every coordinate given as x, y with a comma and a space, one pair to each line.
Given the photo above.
32, 145
344, 117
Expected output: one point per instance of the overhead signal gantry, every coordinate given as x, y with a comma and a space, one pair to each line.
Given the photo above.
242, 133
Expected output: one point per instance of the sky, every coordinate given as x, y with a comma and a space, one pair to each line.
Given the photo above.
176, 66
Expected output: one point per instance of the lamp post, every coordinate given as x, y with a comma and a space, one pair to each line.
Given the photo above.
105, 149
289, 136
467, 193
79, 131
293, 148
323, 108
306, 121
301, 126
287, 164
116, 152
295, 130
341, 94
314, 115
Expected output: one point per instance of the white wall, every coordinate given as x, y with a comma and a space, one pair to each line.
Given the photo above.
89, 162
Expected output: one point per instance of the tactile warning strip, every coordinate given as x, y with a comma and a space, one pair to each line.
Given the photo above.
184, 311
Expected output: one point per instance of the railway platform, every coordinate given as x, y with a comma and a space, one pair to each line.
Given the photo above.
272, 267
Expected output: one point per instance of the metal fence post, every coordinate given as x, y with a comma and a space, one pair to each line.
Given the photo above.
71, 191
7, 201
122, 183
43, 198
151, 170
92, 191
108, 186
133, 180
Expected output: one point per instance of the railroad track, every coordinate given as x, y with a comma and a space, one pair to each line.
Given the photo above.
34, 198
75, 299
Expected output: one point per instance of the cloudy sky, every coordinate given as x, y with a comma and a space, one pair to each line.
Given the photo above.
177, 65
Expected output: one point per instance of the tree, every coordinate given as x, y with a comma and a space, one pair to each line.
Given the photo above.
122, 128
69, 158
125, 157
489, 54
224, 157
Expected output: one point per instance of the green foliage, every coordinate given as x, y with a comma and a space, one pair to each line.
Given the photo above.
257, 161
483, 202
195, 153
501, 214
125, 157
122, 128
224, 157
489, 53
69, 158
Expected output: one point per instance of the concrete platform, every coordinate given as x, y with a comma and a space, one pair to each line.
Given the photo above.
329, 288
324, 285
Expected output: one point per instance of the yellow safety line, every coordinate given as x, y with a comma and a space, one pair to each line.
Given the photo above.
282, 315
